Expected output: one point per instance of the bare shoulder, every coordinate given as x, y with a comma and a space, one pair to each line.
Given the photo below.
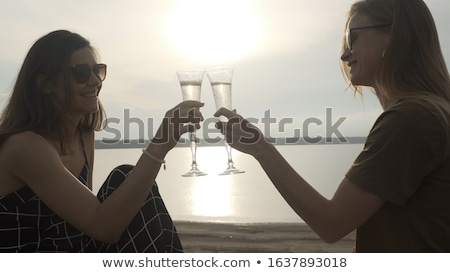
13, 159
23, 142
31, 159
26, 148
25, 151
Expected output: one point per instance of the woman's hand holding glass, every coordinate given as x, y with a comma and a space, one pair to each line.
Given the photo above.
183, 118
240, 133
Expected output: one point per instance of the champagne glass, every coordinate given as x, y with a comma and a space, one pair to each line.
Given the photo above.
191, 83
220, 79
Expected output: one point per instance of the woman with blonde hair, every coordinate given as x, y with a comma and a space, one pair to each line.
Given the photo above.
396, 194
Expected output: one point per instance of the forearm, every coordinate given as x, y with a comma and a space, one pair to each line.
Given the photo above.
330, 219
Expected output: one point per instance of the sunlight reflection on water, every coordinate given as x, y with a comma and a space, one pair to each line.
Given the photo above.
211, 199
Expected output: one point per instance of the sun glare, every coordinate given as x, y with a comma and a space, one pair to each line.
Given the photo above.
212, 198
214, 30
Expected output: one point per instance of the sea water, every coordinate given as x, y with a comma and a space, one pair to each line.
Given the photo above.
242, 198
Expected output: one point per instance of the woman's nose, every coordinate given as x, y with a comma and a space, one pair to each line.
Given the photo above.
345, 55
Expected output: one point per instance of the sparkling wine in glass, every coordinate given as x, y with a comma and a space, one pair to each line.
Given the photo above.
220, 80
191, 84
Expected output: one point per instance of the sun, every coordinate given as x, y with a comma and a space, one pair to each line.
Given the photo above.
214, 30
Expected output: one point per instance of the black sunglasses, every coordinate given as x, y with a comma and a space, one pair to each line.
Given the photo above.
82, 72
348, 34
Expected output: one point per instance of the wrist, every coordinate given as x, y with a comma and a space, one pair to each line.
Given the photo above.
157, 150
262, 148
154, 158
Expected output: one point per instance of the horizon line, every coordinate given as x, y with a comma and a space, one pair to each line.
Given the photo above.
184, 142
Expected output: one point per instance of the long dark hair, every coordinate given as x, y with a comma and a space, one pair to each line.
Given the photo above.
31, 107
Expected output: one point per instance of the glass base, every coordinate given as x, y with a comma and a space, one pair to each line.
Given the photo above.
231, 170
194, 172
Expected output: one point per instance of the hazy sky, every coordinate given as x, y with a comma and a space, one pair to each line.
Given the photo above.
285, 54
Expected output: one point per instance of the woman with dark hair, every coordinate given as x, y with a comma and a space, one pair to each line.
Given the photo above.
46, 161
397, 192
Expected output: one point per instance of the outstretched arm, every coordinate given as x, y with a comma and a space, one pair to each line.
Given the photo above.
331, 219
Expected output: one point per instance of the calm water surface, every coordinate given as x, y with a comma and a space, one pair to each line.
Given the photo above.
243, 198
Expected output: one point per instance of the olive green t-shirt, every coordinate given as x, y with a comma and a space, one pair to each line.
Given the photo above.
406, 162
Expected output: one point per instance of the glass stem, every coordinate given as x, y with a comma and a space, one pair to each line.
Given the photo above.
193, 139
230, 159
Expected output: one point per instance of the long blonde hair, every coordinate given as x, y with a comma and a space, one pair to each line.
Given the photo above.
413, 64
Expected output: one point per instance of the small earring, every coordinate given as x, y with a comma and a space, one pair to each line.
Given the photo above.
382, 54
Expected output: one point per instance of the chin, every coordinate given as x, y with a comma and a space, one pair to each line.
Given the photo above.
92, 107
89, 110
357, 81
94, 110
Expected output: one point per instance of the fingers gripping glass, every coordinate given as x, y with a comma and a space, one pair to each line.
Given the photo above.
348, 34
82, 72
